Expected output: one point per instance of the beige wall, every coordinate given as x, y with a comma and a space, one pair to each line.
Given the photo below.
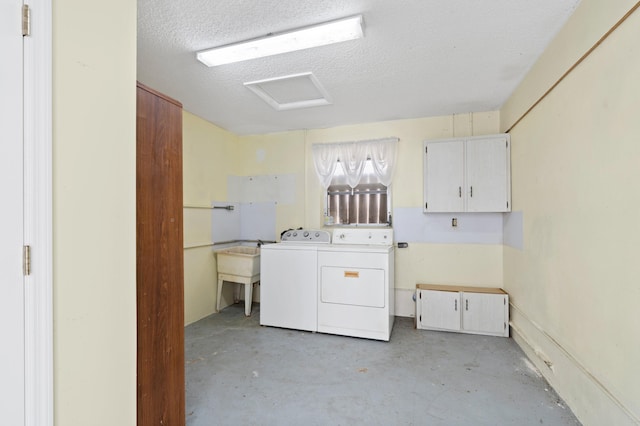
210, 154
278, 154
94, 205
574, 285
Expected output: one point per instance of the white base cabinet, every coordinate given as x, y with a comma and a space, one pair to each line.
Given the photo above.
475, 310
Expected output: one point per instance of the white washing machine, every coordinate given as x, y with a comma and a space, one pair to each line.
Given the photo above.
289, 281
356, 283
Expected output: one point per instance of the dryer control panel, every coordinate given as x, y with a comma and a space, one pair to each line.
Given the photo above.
366, 236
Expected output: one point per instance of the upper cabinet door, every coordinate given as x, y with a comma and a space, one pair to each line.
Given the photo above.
444, 176
467, 175
488, 186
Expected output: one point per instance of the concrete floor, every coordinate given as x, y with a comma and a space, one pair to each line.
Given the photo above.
240, 373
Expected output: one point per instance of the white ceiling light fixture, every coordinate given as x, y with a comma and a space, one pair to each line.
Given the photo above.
304, 38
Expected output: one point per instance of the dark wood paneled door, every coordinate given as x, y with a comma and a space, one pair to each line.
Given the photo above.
160, 264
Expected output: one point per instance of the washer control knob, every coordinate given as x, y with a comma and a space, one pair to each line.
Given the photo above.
305, 234
317, 234
295, 234
342, 236
288, 234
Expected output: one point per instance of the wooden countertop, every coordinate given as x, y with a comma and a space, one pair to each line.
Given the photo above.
457, 288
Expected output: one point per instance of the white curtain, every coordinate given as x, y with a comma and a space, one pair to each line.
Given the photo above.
325, 158
353, 156
383, 154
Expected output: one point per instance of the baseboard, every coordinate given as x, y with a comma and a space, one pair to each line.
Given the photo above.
586, 396
405, 305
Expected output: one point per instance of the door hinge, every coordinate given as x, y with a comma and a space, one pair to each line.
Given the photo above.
507, 204
505, 326
425, 205
26, 260
26, 20
426, 149
420, 318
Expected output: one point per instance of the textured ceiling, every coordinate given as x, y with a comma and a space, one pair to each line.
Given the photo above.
418, 58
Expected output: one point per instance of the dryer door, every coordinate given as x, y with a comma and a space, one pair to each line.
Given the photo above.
353, 286
353, 293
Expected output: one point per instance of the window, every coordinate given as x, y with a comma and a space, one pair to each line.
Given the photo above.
357, 177
367, 203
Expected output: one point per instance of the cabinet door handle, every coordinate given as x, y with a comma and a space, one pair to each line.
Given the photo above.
455, 305
459, 192
466, 304
471, 191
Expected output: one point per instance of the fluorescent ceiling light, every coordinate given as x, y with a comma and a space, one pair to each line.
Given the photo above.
289, 41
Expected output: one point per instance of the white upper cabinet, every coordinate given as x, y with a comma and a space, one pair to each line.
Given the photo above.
467, 174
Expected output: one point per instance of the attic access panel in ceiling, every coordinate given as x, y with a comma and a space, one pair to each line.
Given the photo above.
291, 91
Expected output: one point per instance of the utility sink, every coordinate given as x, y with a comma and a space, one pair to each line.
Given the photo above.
239, 260
240, 265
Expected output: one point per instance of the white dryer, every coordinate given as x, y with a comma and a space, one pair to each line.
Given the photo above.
356, 283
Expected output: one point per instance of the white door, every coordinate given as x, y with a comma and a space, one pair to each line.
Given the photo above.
484, 313
487, 175
12, 384
444, 175
440, 309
